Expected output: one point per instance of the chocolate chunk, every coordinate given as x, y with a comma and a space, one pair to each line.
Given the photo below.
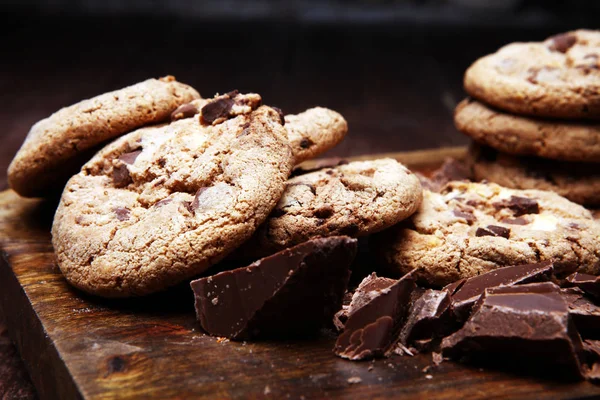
585, 314
324, 212
184, 111
515, 221
216, 109
281, 117
305, 143
591, 359
588, 283
162, 202
468, 292
120, 176
493, 230
122, 213
129, 158
427, 318
519, 205
525, 327
293, 292
466, 215
196, 202
372, 329
562, 42
318, 165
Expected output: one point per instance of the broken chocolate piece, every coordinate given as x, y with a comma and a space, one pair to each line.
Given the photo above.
585, 314
467, 294
586, 282
318, 165
372, 330
122, 213
515, 221
562, 42
591, 359
129, 158
519, 205
428, 317
466, 215
493, 230
216, 109
293, 292
184, 111
524, 326
120, 176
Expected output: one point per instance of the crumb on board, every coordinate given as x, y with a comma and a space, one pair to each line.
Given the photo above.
222, 340
354, 379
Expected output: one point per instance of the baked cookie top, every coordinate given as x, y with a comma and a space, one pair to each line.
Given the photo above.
354, 199
578, 182
471, 228
56, 147
164, 203
528, 136
557, 78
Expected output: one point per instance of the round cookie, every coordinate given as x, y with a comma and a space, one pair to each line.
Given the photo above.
310, 133
557, 78
164, 203
56, 147
472, 228
354, 199
569, 141
578, 182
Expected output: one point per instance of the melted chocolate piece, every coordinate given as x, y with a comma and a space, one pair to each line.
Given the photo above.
465, 296
184, 111
372, 330
305, 143
562, 42
122, 213
216, 109
520, 205
162, 202
493, 230
588, 283
515, 221
120, 176
129, 158
466, 215
585, 314
293, 292
525, 327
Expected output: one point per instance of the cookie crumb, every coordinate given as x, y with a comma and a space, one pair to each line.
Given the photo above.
267, 390
428, 376
354, 379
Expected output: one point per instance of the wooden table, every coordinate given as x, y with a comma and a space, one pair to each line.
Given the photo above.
397, 87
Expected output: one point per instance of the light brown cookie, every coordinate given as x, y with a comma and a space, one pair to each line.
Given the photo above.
56, 147
527, 136
354, 199
472, 228
310, 133
164, 203
578, 182
557, 78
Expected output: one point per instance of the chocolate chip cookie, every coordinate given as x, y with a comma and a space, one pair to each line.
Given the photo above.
164, 203
578, 182
471, 228
310, 133
557, 78
354, 199
519, 135
56, 147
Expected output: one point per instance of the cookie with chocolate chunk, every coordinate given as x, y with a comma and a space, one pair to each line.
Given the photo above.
164, 203
354, 199
310, 133
578, 182
56, 147
526, 136
556, 78
471, 228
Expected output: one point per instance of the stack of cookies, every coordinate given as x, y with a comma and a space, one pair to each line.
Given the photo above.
534, 116
187, 182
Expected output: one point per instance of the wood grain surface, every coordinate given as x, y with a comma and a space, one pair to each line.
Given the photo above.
75, 345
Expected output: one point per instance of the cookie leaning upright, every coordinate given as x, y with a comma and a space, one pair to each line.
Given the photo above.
557, 78
471, 228
164, 203
57, 146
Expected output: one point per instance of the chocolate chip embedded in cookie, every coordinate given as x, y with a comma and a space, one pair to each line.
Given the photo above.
504, 227
557, 78
355, 199
578, 182
164, 203
568, 141
56, 147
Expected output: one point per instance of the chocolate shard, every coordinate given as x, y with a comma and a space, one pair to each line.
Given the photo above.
184, 111
588, 283
293, 292
129, 158
216, 109
367, 290
562, 42
120, 176
466, 215
591, 359
585, 314
465, 296
428, 317
372, 330
524, 327
519, 205
493, 230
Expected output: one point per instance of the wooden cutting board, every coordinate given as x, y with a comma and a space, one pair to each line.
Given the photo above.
77, 346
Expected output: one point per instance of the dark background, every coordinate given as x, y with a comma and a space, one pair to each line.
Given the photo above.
392, 68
